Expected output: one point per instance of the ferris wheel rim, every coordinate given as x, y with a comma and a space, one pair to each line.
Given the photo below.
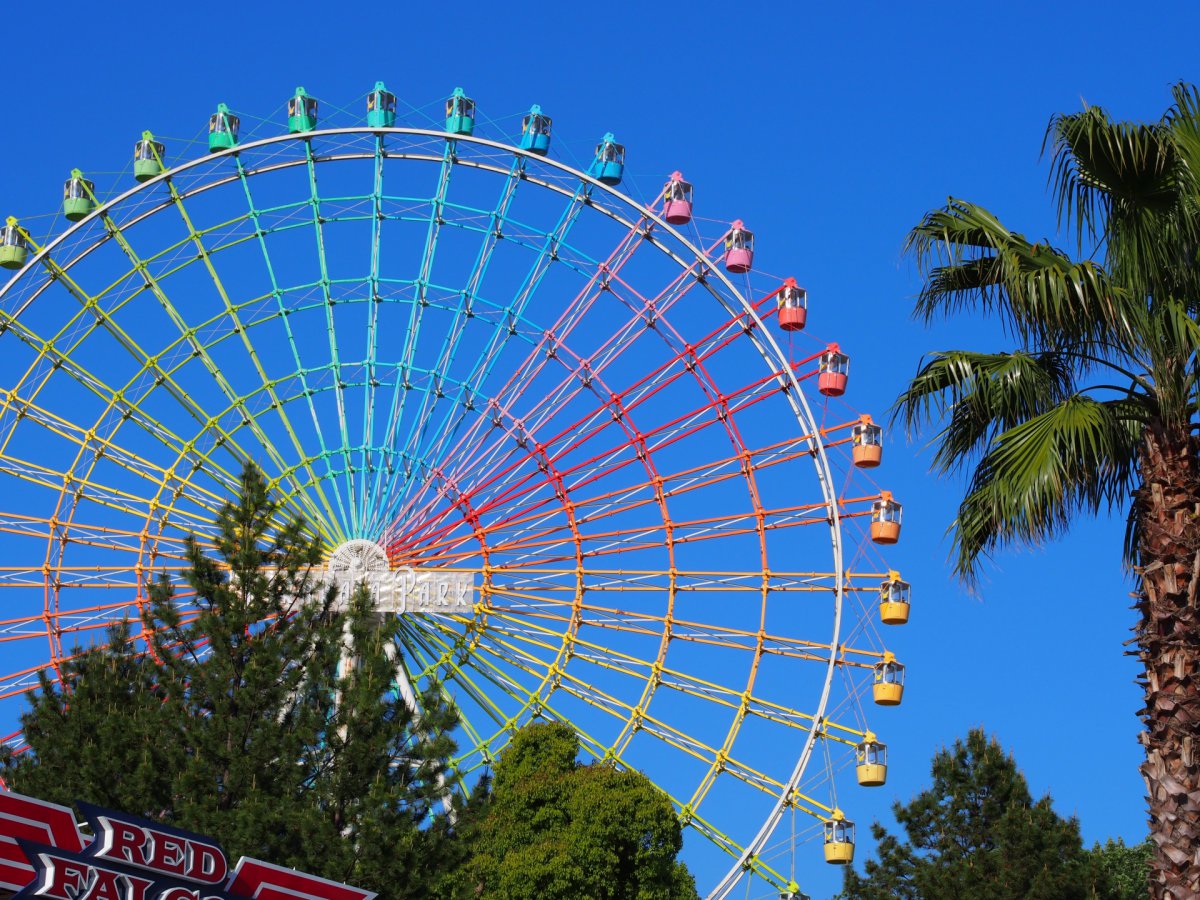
760, 336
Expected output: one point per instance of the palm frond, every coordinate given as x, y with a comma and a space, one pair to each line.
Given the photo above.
1127, 186
973, 263
980, 395
1079, 456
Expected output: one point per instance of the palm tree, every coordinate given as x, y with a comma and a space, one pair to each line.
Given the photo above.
1096, 407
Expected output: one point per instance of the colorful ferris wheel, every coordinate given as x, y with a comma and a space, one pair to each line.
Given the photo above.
603, 469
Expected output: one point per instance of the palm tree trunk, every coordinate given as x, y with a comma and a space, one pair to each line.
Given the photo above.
1168, 509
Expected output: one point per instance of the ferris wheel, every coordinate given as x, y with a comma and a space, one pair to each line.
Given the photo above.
603, 468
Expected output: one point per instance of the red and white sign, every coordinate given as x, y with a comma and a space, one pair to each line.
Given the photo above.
44, 855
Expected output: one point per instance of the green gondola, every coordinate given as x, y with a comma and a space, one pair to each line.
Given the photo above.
381, 107
222, 129
302, 112
147, 157
14, 249
79, 196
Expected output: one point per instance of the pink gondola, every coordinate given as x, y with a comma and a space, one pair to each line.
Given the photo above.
677, 200
739, 249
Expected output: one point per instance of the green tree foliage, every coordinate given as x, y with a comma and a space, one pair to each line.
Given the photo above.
237, 724
552, 829
977, 832
1125, 869
1095, 408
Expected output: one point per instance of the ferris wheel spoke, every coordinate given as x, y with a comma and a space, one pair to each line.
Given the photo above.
434, 219
543, 541
508, 655
119, 405
743, 702
285, 319
334, 353
91, 443
464, 312
545, 348
205, 255
524, 650
519, 601
438, 527
720, 407
104, 495
440, 643
513, 313
87, 534
370, 487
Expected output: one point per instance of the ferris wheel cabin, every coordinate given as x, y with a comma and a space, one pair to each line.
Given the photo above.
793, 306
535, 131
885, 519
79, 196
839, 839
871, 762
14, 249
894, 600
888, 689
608, 167
867, 439
381, 107
147, 157
739, 249
460, 113
677, 200
834, 367
302, 112
222, 129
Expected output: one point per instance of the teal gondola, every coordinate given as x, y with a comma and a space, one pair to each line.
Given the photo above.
535, 131
460, 113
381, 107
302, 112
222, 129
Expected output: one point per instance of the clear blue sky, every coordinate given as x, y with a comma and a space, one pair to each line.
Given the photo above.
830, 129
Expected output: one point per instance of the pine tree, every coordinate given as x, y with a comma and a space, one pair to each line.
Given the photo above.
237, 724
977, 832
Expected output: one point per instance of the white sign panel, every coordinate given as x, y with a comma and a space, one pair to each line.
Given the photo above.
401, 591
407, 590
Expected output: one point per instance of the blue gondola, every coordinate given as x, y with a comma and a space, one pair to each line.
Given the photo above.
460, 113
535, 131
609, 164
381, 107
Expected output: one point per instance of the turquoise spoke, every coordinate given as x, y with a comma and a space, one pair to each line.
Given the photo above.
319, 229
403, 384
367, 496
463, 314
